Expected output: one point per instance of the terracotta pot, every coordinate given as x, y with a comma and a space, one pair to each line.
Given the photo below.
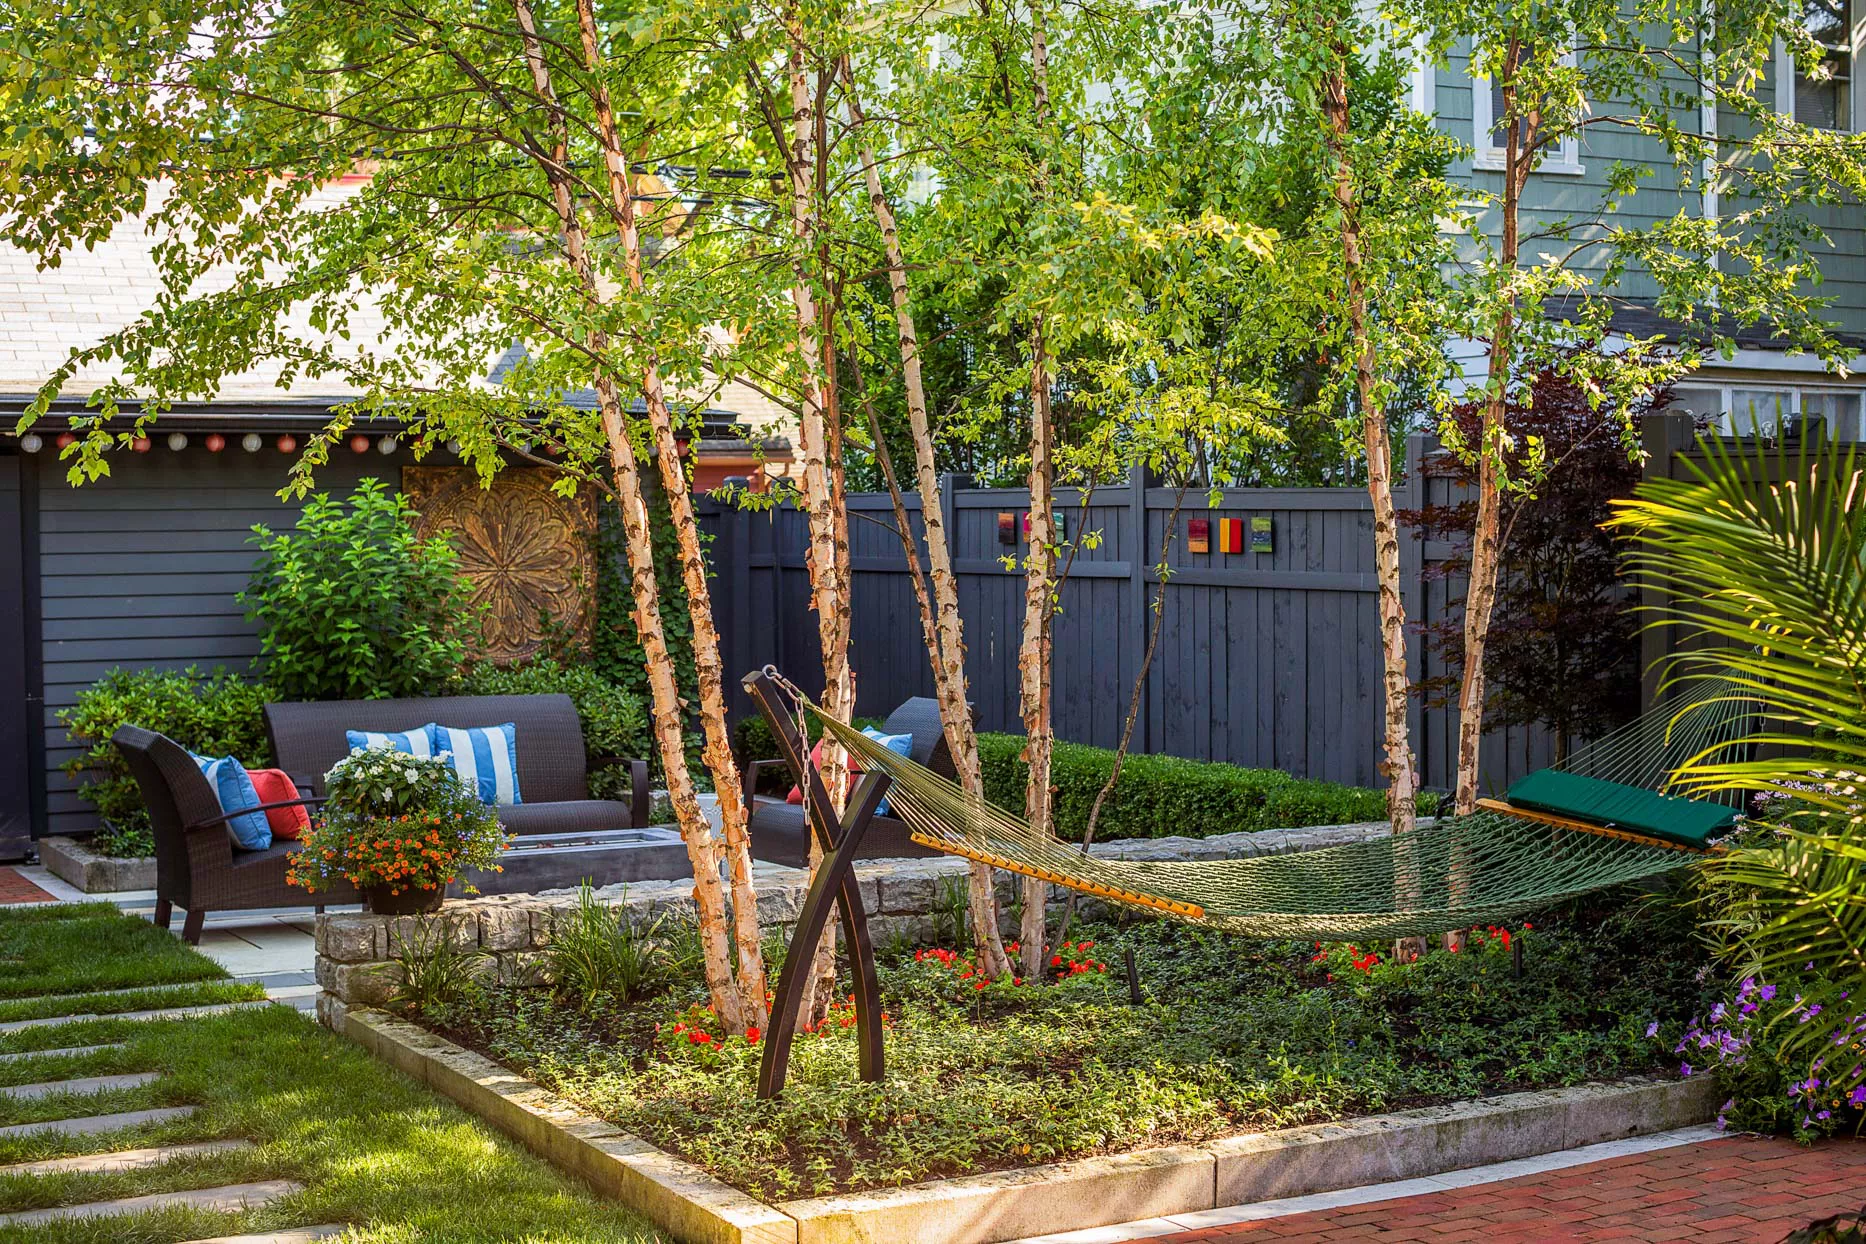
407, 903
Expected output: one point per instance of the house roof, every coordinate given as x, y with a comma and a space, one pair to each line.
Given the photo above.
47, 313
1637, 317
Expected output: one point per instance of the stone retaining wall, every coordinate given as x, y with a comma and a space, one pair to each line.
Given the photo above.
912, 899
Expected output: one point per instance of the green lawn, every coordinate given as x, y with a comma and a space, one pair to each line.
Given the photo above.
46, 950
374, 1149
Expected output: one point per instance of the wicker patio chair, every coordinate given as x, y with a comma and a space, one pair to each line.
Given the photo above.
779, 833
197, 866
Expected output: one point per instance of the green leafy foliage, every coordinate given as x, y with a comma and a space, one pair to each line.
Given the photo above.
216, 714
1762, 551
614, 718
1232, 1035
600, 955
437, 965
1166, 796
353, 606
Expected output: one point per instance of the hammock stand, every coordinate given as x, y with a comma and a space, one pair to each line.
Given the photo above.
1602, 819
834, 885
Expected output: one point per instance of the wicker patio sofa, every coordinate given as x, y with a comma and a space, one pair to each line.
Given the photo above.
779, 834
197, 866
553, 778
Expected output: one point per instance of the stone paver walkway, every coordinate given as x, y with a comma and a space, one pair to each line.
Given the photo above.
1732, 1189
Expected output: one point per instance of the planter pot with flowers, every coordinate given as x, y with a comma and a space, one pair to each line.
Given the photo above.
399, 828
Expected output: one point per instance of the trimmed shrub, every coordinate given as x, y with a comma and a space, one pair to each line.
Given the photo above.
1169, 796
614, 720
217, 714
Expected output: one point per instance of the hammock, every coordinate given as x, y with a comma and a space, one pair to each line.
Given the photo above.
1492, 866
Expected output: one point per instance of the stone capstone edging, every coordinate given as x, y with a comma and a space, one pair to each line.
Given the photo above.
1062, 1196
914, 899
79, 866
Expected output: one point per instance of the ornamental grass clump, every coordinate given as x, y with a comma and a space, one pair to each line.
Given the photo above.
396, 823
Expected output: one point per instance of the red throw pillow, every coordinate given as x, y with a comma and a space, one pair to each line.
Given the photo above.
816, 760
273, 786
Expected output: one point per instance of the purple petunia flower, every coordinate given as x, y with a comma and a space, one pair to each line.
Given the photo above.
1652, 1030
1684, 1069
1857, 1097
1766, 993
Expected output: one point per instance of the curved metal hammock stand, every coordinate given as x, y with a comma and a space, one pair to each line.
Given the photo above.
1494, 865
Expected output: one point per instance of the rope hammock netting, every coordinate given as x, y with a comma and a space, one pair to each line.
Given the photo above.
1600, 819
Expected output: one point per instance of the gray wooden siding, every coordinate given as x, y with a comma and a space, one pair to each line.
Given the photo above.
141, 568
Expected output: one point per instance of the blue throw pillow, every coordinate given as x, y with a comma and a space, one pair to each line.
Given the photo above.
416, 742
234, 789
485, 757
899, 744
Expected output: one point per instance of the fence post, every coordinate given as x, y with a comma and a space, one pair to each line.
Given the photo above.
1662, 437
1137, 481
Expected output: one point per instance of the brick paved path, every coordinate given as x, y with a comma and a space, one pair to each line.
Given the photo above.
15, 888
1738, 1189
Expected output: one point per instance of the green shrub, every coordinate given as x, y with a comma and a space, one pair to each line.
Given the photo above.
1157, 796
614, 719
353, 606
1167, 796
217, 714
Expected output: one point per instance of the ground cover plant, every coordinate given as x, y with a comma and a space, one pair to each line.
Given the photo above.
1231, 1035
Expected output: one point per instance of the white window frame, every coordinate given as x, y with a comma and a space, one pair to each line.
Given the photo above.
1785, 75
1563, 158
1791, 393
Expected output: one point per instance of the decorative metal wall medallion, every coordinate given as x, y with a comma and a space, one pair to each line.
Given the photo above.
529, 553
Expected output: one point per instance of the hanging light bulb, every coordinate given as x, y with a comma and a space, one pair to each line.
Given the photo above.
31, 443
66, 439
287, 443
177, 441
215, 442
251, 442
453, 447
359, 444
387, 445
140, 444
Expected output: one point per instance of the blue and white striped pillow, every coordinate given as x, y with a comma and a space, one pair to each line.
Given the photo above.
234, 789
416, 742
485, 757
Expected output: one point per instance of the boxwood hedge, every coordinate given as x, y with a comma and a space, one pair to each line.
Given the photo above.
1167, 796
1157, 796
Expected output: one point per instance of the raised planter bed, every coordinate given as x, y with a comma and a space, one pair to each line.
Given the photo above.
1064, 1196
76, 864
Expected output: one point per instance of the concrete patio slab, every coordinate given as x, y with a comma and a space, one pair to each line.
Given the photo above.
231, 1199
125, 1159
86, 1084
69, 1051
90, 1125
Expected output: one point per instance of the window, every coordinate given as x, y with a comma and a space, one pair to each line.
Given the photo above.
1489, 131
1762, 410
1824, 97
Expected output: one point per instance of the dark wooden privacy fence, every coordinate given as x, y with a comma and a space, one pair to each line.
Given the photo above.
1267, 658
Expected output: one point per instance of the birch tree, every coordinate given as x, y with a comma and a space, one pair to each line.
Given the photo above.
1535, 293
501, 208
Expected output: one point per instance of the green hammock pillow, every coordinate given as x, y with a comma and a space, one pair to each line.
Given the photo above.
1690, 822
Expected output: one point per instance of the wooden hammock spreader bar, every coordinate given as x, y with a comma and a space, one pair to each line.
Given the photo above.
1585, 827
1191, 911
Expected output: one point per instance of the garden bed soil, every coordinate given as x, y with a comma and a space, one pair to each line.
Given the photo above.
1049, 1197
1232, 1037
76, 864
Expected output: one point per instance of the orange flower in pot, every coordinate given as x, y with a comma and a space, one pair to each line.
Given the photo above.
400, 828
